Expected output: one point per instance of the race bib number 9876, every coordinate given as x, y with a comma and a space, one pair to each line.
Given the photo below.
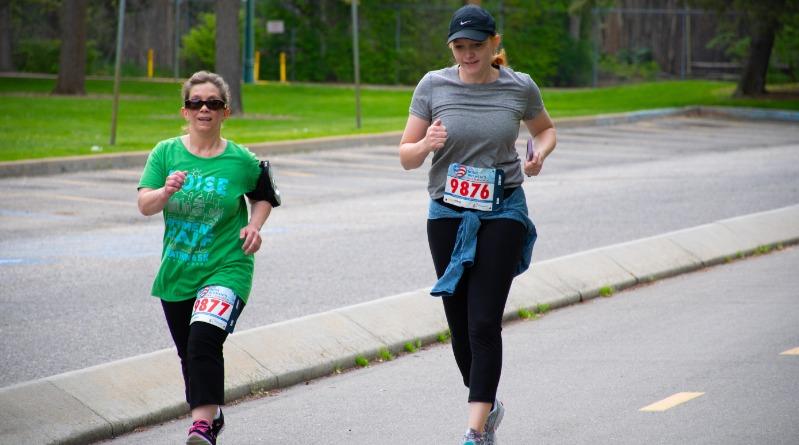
473, 187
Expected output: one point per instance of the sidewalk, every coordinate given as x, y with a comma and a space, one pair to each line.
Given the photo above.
111, 399
577, 376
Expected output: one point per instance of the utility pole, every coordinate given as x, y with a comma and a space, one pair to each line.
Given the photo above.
249, 40
120, 28
177, 40
356, 63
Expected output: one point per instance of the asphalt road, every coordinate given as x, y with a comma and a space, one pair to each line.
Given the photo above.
579, 375
77, 260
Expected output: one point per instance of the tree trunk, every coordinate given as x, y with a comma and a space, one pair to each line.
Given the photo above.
753, 78
228, 53
72, 61
151, 26
6, 64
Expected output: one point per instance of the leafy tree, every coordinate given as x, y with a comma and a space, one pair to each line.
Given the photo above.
786, 46
765, 18
199, 47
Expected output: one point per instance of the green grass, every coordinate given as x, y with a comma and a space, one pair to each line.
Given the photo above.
606, 291
38, 125
618, 99
385, 355
413, 346
534, 312
762, 250
526, 314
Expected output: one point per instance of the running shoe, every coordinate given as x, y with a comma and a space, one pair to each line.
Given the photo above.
472, 437
492, 422
218, 424
200, 433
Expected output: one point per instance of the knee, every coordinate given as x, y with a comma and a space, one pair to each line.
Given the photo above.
204, 339
485, 330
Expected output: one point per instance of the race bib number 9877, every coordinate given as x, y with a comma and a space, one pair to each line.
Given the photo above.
218, 306
473, 187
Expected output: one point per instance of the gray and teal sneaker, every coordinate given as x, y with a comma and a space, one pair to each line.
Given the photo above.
492, 423
472, 437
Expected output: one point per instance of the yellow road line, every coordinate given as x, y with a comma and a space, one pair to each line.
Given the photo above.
794, 351
672, 401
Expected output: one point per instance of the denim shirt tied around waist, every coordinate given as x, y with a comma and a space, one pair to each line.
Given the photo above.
513, 207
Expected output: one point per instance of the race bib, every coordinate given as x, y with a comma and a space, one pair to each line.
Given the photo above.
218, 306
473, 187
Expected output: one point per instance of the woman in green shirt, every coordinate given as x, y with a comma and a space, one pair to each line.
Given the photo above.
198, 182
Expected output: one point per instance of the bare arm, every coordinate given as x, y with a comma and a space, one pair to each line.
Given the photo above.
543, 130
259, 212
152, 201
419, 139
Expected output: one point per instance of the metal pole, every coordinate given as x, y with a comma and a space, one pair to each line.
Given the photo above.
293, 53
356, 63
501, 24
249, 38
120, 28
397, 30
688, 42
684, 45
595, 58
177, 40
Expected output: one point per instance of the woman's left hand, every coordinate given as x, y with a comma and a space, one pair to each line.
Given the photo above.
533, 167
252, 239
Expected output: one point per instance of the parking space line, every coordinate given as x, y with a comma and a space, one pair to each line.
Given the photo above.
794, 351
127, 203
54, 197
295, 173
671, 401
326, 164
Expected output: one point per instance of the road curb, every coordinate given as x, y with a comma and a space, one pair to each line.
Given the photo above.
50, 166
107, 400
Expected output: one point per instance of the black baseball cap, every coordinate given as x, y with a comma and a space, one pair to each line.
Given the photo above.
471, 22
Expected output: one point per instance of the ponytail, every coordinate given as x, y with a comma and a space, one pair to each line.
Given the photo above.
500, 58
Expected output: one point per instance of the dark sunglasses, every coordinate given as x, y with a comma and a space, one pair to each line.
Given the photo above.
212, 104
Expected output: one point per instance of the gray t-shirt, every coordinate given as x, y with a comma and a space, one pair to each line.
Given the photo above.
482, 121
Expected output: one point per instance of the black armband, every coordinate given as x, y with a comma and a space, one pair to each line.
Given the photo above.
266, 189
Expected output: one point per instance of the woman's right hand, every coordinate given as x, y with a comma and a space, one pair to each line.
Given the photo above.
436, 136
174, 182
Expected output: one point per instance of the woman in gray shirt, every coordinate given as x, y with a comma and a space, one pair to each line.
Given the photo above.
479, 233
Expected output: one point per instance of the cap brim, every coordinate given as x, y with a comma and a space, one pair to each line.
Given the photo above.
471, 34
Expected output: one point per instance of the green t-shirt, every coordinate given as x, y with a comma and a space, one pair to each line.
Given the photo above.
203, 219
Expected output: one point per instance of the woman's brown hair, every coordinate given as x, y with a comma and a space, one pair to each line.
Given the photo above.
201, 77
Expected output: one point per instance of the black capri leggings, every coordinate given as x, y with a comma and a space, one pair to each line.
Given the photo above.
199, 347
474, 312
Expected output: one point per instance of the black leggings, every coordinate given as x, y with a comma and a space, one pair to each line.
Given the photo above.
200, 350
474, 312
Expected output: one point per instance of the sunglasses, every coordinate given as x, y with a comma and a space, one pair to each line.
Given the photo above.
212, 104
